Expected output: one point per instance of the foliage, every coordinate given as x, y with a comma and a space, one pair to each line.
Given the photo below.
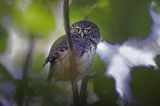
37, 18
3, 39
118, 20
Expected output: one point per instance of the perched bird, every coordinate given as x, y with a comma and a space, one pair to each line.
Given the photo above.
85, 36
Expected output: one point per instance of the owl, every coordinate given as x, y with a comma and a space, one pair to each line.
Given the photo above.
85, 36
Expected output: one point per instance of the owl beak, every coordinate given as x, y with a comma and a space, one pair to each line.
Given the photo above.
82, 34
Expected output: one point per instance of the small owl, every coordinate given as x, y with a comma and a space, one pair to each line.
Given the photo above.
85, 36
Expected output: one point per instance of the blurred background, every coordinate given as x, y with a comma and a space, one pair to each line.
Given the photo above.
29, 27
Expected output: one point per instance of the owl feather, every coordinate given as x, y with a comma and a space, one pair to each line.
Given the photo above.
85, 37
57, 47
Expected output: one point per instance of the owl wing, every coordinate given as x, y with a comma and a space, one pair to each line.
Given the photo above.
58, 47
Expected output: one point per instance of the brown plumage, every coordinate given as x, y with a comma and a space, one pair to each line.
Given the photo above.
85, 37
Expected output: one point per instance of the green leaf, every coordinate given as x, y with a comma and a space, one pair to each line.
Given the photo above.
80, 8
157, 8
103, 86
97, 11
3, 39
117, 20
38, 60
126, 19
145, 85
157, 59
37, 18
4, 8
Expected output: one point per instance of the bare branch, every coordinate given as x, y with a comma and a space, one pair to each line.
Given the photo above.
21, 89
67, 22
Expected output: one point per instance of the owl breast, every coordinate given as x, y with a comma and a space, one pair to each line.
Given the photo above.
86, 61
65, 70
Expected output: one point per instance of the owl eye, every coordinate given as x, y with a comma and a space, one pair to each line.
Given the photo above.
77, 29
87, 30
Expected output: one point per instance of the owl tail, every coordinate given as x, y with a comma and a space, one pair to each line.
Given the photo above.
50, 74
46, 61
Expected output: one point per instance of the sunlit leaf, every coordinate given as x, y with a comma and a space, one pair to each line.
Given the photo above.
3, 39
37, 18
80, 8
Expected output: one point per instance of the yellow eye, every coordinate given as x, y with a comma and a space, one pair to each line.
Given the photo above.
87, 30
77, 29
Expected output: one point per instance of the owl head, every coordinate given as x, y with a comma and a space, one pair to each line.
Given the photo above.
86, 30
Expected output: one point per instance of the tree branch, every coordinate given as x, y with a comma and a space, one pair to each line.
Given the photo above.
21, 88
67, 22
83, 91
73, 68
75, 93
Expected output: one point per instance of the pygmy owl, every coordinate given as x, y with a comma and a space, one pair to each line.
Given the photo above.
85, 36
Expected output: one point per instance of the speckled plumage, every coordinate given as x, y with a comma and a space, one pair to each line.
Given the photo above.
85, 36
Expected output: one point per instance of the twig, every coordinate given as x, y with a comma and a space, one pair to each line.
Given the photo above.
72, 60
75, 93
67, 22
20, 95
28, 59
83, 91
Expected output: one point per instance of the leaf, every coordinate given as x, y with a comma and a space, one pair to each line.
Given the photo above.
38, 60
104, 87
3, 39
4, 8
157, 8
120, 20
145, 85
157, 59
120, 59
129, 19
80, 8
37, 18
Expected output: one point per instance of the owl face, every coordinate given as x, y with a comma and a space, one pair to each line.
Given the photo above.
86, 30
